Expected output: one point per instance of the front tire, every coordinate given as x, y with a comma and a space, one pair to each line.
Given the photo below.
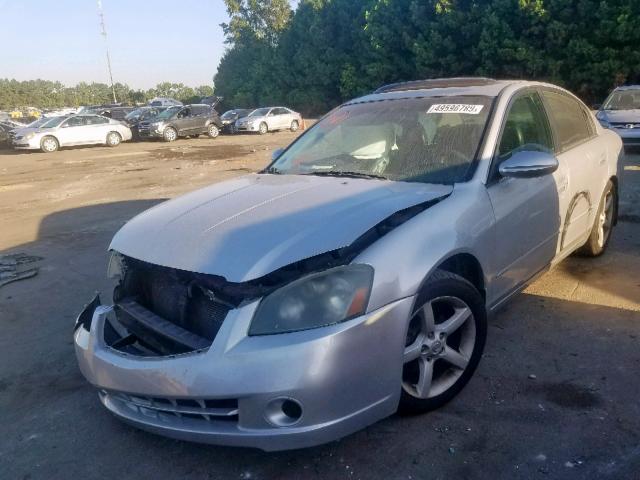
263, 128
444, 343
603, 225
49, 144
169, 134
113, 139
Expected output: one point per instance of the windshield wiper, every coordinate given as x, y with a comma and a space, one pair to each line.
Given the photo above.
342, 173
272, 170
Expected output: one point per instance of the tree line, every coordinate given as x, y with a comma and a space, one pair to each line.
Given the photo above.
326, 51
51, 94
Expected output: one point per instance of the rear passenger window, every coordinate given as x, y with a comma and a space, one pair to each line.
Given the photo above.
526, 128
95, 120
570, 120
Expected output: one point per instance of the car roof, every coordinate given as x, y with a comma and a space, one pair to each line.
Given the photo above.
444, 87
628, 87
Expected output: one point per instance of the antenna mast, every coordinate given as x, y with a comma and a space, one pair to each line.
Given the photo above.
103, 32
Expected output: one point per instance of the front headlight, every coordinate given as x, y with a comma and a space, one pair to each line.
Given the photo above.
316, 300
116, 265
29, 135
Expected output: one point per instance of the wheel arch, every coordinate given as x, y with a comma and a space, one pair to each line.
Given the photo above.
467, 266
616, 186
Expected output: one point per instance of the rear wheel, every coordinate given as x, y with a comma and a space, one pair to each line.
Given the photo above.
169, 134
294, 126
444, 343
263, 128
113, 139
603, 225
213, 131
49, 144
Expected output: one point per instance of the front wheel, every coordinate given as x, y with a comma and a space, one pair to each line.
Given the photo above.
213, 131
113, 139
263, 128
169, 134
603, 225
444, 342
49, 144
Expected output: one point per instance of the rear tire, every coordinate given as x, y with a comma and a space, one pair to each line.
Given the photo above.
169, 134
213, 131
603, 225
445, 340
294, 126
263, 128
113, 139
49, 144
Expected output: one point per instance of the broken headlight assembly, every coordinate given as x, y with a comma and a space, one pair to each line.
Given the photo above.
115, 269
316, 300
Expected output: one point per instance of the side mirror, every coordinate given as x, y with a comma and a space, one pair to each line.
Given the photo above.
276, 154
529, 164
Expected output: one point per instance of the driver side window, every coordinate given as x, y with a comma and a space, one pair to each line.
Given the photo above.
526, 128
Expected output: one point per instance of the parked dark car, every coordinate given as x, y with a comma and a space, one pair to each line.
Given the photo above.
182, 121
229, 118
142, 114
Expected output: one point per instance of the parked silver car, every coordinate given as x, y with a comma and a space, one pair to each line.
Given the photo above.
73, 130
621, 113
353, 276
263, 120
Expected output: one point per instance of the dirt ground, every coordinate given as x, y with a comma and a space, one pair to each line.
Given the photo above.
556, 394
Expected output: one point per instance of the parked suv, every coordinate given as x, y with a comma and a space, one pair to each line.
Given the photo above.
142, 114
182, 121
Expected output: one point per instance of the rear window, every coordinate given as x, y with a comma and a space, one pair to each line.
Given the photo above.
570, 120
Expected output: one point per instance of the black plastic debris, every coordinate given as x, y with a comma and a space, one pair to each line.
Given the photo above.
17, 266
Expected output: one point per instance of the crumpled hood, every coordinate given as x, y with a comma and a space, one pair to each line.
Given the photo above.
245, 228
621, 116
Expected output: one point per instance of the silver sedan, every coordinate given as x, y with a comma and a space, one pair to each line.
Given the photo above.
72, 130
263, 120
353, 276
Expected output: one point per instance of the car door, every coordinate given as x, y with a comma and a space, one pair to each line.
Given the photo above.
72, 131
585, 159
97, 129
272, 119
527, 214
184, 121
200, 117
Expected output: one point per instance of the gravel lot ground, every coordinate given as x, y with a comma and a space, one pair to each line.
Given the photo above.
556, 395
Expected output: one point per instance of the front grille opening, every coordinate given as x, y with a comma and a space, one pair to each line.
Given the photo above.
163, 311
191, 409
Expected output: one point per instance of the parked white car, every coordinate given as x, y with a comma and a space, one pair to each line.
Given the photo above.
263, 120
73, 130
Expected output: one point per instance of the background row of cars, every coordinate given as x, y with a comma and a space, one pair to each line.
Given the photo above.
164, 119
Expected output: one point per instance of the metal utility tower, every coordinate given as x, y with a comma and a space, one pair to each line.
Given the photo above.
103, 32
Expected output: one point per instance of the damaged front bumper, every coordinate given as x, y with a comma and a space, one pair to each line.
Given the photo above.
273, 392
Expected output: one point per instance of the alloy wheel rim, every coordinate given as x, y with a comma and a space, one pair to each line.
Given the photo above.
49, 145
171, 135
213, 131
263, 128
294, 126
605, 219
113, 139
439, 345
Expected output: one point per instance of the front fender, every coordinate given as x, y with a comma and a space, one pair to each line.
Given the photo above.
405, 257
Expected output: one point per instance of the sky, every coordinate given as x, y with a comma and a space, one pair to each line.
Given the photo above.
149, 41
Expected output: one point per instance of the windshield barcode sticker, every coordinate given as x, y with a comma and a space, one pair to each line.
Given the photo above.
455, 108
